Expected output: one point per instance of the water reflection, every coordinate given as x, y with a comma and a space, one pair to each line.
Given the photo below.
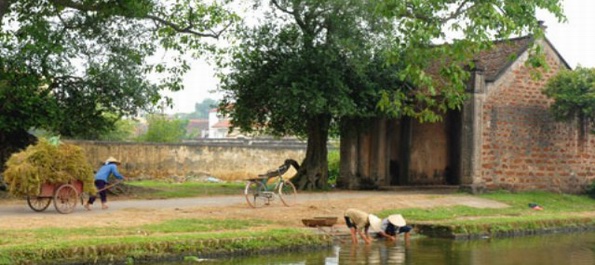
381, 252
575, 249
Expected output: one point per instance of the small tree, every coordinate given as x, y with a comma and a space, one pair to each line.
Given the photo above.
123, 130
574, 95
202, 109
164, 130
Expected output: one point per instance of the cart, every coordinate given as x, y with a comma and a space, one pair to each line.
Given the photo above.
65, 196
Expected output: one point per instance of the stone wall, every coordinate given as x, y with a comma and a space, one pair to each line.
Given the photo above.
523, 148
224, 159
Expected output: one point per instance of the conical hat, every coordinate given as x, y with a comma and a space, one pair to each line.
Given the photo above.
112, 159
397, 219
375, 223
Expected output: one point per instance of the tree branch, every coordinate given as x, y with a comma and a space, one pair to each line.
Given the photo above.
188, 29
284, 10
294, 13
460, 10
410, 13
178, 28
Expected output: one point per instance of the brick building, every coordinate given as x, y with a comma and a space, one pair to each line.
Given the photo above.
503, 136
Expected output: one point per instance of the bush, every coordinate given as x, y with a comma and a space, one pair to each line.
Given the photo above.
334, 161
591, 190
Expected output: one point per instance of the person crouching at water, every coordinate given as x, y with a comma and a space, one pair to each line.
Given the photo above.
359, 222
394, 225
110, 167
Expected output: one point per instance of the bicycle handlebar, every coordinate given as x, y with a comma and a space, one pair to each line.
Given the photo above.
281, 169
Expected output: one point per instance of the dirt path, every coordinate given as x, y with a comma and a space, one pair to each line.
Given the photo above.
17, 215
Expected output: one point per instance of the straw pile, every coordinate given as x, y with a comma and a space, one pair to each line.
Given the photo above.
44, 162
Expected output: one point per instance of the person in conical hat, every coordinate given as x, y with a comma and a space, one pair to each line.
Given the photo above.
109, 168
360, 222
394, 225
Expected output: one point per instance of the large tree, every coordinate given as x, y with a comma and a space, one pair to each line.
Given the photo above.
65, 63
308, 63
288, 79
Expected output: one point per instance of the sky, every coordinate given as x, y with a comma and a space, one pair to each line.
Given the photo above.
574, 40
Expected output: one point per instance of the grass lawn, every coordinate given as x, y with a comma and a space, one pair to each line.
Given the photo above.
559, 211
553, 204
152, 189
175, 237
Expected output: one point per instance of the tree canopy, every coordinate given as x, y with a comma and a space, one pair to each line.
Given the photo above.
64, 63
310, 63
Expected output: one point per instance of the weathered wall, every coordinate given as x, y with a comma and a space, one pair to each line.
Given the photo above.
429, 156
523, 148
229, 160
365, 156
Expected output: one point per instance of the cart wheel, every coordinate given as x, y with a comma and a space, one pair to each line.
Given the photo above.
65, 198
39, 204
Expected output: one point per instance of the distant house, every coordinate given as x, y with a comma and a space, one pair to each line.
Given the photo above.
503, 137
217, 122
219, 126
198, 128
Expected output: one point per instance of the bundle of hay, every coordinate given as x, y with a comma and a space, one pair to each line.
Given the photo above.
45, 162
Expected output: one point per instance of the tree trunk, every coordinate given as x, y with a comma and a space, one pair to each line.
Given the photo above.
313, 172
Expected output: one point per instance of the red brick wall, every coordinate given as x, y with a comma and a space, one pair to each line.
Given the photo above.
523, 147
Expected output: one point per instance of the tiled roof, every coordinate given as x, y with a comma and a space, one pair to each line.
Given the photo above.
497, 59
200, 124
222, 124
493, 61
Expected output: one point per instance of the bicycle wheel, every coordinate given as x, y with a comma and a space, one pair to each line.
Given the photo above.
287, 193
255, 194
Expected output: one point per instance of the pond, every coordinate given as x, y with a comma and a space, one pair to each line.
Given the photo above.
575, 249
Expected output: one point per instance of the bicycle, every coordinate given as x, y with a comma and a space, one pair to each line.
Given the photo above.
259, 192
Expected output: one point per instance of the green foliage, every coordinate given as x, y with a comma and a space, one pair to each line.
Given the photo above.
162, 129
302, 73
334, 162
63, 64
591, 190
424, 23
123, 130
284, 75
574, 95
313, 60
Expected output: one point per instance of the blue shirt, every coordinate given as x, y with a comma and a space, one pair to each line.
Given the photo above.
106, 170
